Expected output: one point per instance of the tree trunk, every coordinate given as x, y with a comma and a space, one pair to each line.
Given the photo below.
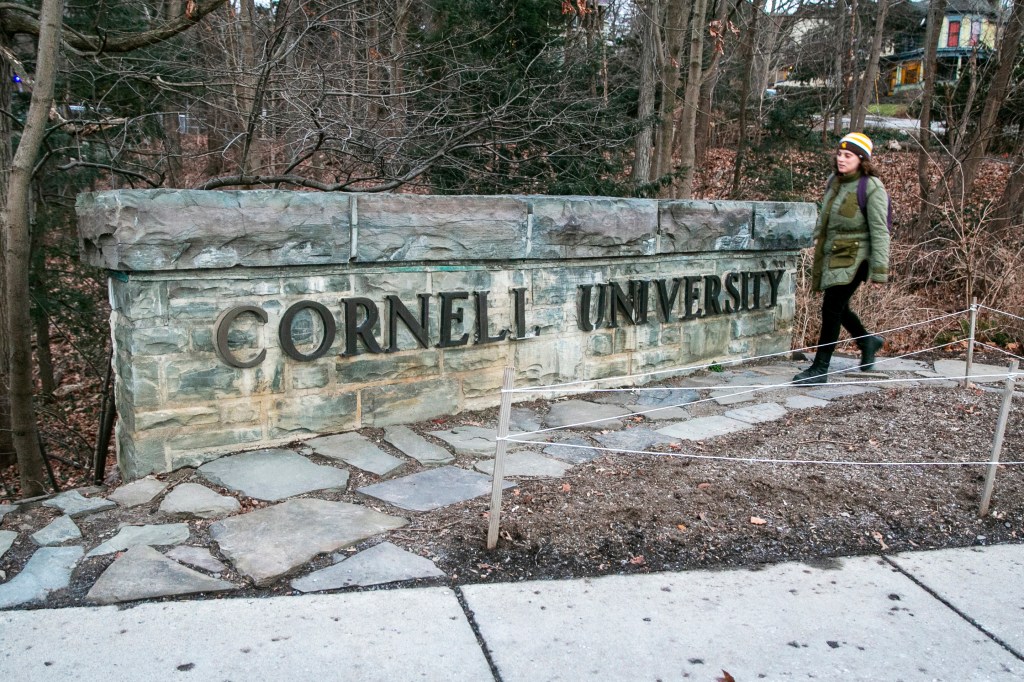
691, 97
748, 72
936, 10
1006, 54
645, 108
23, 420
1010, 207
867, 85
675, 27
7, 456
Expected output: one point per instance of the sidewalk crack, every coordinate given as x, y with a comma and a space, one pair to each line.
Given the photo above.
476, 631
991, 635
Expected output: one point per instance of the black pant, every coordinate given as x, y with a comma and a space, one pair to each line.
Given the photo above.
836, 313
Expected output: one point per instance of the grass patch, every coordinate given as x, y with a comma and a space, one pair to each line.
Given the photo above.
895, 110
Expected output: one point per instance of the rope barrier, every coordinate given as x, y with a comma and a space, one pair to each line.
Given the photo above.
1002, 312
766, 460
739, 360
997, 348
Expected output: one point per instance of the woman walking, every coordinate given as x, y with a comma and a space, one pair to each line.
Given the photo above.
851, 245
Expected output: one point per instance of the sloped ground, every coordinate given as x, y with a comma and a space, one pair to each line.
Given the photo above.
620, 513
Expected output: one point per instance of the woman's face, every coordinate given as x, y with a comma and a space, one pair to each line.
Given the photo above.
847, 161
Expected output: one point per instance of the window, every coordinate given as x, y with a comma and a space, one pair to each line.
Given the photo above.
953, 40
975, 31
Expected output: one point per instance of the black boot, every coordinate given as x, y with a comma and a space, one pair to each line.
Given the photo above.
869, 345
817, 373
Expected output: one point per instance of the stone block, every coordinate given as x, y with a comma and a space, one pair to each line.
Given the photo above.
194, 449
309, 376
138, 299
177, 418
204, 379
548, 361
482, 388
138, 459
406, 227
149, 230
753, 324
559, 284
593, 227
364, 369
225, 289
695, 226
410, 402
318, 284
479, 358
783, 225
314, 414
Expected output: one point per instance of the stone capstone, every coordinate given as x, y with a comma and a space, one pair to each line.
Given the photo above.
144, 573
57, 532
378, 565
48, 570
74, 504
431, 489
416, 446
356, 450
130, 536
192, 499
271, 542
137, 492
272, 474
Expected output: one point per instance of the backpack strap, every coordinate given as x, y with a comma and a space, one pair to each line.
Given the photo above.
862, 196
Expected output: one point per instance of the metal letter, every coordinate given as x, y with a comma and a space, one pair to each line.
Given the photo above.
223, 325
284, 331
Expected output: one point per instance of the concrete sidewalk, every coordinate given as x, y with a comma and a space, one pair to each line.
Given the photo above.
938, 615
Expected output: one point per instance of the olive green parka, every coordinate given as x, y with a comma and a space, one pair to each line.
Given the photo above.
843, 239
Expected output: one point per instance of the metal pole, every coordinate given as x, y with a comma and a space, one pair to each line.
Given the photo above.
99, 458
997, 443
498, 475
970, 341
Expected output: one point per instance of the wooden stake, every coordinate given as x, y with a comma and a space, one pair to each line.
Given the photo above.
497, 477
997, 442
970, 341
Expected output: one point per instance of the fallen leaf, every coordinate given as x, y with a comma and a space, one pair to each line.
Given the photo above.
757, 521
681, 526
726, 677
566, 487
878, 538
638, 560
703, 486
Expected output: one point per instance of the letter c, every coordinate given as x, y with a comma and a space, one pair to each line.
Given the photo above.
223, 326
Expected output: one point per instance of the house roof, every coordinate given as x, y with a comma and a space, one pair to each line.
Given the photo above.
970, 7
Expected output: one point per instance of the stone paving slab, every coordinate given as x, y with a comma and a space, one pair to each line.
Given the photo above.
585, 415
57, 532
658, 414
144, 573
356, 450
380, 636
899, 364
416, 446
574, 450
271, 542
526, 463
378, 565
272, 475
431, 489
636, 438
957, 369
757, 414
703, 428
472, 441
48, 570
137, 492
525, 420
983, 583
194, 500
130, 536
200, 557
6, 509
734, 395
788, 621
804, 402
7, 538
832, 391
74, 504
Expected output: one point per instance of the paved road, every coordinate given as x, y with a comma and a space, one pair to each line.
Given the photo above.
939, 615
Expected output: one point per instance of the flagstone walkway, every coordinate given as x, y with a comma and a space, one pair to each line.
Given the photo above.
254, 518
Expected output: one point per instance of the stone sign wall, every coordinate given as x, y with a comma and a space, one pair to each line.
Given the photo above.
251, 319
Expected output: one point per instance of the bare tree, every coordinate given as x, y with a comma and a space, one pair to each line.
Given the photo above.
647, 29
867, 83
